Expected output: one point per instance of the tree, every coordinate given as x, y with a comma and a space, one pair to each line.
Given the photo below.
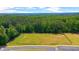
12, 32
3, 36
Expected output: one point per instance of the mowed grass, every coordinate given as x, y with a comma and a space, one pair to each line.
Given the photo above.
40, 39
74, 38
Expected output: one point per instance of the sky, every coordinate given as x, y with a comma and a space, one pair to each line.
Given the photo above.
39, 6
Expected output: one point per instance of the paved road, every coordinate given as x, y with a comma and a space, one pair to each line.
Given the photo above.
40, 48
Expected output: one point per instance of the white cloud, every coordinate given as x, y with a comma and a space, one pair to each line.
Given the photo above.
54, 9
54, 4
70, 11
21, 9
37, 9
3, 8
13, 11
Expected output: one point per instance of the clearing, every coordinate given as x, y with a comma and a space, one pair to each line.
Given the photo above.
45, 39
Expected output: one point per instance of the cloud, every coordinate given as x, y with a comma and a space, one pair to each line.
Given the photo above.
54, 9
30, 10
38, 9
14, 10
38, 6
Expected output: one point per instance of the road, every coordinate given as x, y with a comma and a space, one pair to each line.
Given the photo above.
40, 48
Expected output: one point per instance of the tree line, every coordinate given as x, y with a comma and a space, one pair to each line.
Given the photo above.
12, 25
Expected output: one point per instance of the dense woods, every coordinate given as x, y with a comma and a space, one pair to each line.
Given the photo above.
12, 25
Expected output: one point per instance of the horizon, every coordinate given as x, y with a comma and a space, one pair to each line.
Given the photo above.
40, 10
39, 6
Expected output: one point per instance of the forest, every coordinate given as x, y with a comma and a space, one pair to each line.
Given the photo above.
11, 25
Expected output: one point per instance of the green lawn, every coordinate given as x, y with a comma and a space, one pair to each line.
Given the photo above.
45, 39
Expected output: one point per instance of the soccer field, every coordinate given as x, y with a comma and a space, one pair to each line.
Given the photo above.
45, 39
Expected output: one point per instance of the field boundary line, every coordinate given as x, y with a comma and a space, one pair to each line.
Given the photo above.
68, 39
43, 45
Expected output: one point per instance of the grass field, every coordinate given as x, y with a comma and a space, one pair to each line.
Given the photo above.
45, 39
74, 38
